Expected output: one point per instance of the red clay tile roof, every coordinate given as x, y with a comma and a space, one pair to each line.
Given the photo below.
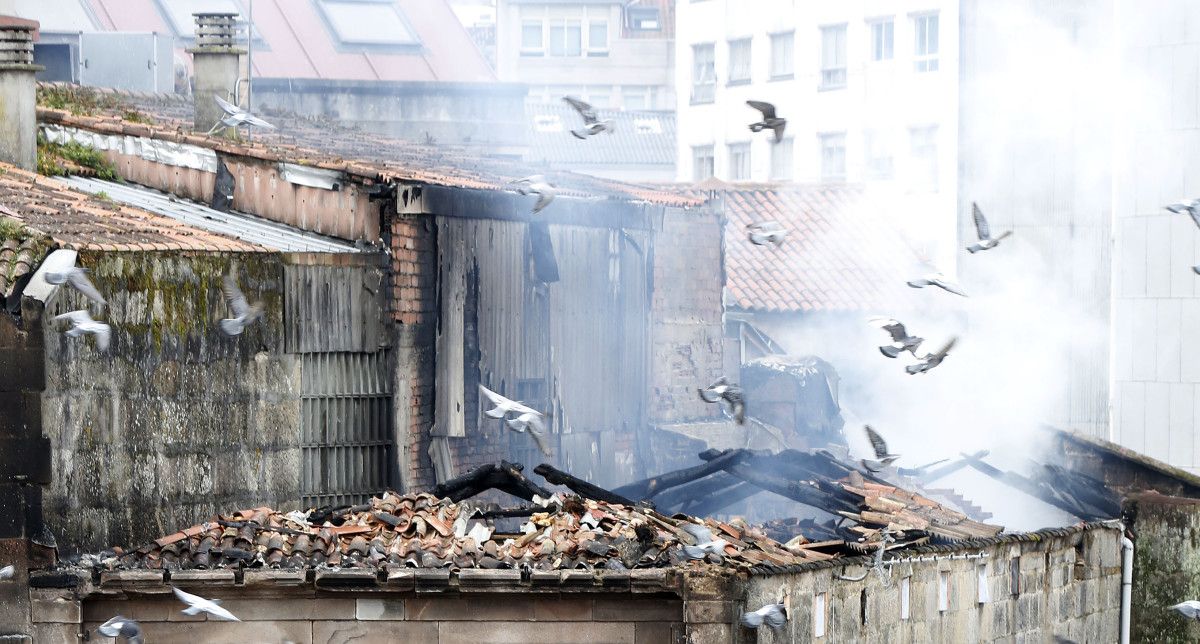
74, 219
839, 255
423, 531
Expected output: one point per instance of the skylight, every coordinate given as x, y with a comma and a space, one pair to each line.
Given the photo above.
56, 16
367, 23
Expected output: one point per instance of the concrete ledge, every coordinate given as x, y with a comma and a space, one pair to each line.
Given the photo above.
345, 579
274, 577
203, 577
131, 578
402, 579
471, 577
432, 579
576, 578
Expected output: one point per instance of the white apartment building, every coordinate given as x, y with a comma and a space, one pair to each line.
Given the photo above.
615, 54
869, 90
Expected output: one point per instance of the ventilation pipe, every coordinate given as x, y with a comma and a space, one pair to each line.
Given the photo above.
18, 100
215, 65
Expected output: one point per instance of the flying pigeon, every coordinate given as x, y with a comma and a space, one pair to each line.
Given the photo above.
82, 322
705, 542
931, 360
766, 232
901, 340
592, 125
503, 406
243, 314
121, 626
77, 277
7, 572
1189, 609
773, 615
986, 241
884, 458
938, 280
722, 389
236, 117
531, 422
1192, 208
769, 120
197, 605
537, 185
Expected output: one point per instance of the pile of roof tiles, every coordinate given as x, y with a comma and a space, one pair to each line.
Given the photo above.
423, 531
901, 511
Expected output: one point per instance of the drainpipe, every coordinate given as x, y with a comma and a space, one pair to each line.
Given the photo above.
1126, 586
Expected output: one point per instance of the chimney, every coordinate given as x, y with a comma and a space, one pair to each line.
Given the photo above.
18, 99
215, 62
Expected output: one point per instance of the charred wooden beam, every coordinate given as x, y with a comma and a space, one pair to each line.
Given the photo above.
503, 476
705, 507
697, 490
950, 468
755, 470
648, 488
581, 487
1027, 486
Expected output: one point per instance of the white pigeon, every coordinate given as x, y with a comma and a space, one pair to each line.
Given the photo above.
7, 572
536, 185
236, 117
705, 542
1189, 609
121, 626
503, 406
197, 605
938, 280
984, 232
731, 393
243, 314
592, 125
82, 322
766, 232
931, 360
77, 277
773, 615
531, 422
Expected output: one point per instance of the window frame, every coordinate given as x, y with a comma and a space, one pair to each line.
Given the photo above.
709, 95
774, 74
822, 138
749, 62
742, 151
591, 50
925, 61
819, 614
834, 78
788, 143
359, 47
943, 591
563, 24
905, 598
874, 141
540, 51
890, 34
697, 154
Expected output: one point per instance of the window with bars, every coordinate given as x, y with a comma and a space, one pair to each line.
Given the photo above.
739, 161
783, 60
882, 39
925, 51
833, 57
702, 162
739, 61
704, 74
833, 156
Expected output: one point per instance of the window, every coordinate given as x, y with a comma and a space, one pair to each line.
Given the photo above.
905, 586
704, 74
634, 98
368, 23
882, 37
597, 38
783, 59
739, 61
739, 161
943, 590
781, 160
925, 53
702, 162
833, 57
566, 38
600, 96
833, 157
643, 18
984, 594
862, 606
531, 38
1014, 576
923, 144
818, 615
878, 155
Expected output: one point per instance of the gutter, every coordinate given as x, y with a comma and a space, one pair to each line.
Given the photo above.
1126, 585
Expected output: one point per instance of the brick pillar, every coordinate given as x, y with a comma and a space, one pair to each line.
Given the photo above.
215, 63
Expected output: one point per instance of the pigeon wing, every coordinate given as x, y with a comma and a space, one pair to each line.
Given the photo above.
944, 351
585, 110
538, 431
543, 200
226, 106
80, 281
767, 109
235, 298
701, 534
103, 334
75, 317
877, 442
981, 224
251, 119
186, 598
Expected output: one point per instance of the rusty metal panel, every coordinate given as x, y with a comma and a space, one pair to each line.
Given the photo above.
334, 308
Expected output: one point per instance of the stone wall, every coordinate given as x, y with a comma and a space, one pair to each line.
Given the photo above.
1068, 585
1166, 566
176, 421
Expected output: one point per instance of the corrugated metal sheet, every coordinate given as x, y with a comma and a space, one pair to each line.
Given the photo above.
241, 226
638, 139
334, 308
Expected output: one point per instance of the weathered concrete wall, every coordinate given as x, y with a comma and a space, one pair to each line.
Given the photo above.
215, 75
1069, 586
18, 116
1166, 566
176, 421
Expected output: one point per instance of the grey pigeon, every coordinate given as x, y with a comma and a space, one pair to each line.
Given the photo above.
77, 277
901, 340
731, 393
773, 615
1192, 208
769, 120
938, 280
882, 457
592, 125
7, 572
197, 605
983, 231
706, 543
766, 232
82, 322
1189, 609
537, 185
531, 422
236, 117
124, 627
243, 314
931, 360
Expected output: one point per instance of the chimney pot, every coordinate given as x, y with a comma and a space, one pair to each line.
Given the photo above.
18, 96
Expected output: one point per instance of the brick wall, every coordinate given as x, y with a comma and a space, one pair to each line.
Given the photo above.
688, 346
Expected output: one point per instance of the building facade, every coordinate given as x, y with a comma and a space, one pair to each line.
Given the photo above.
609, 53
